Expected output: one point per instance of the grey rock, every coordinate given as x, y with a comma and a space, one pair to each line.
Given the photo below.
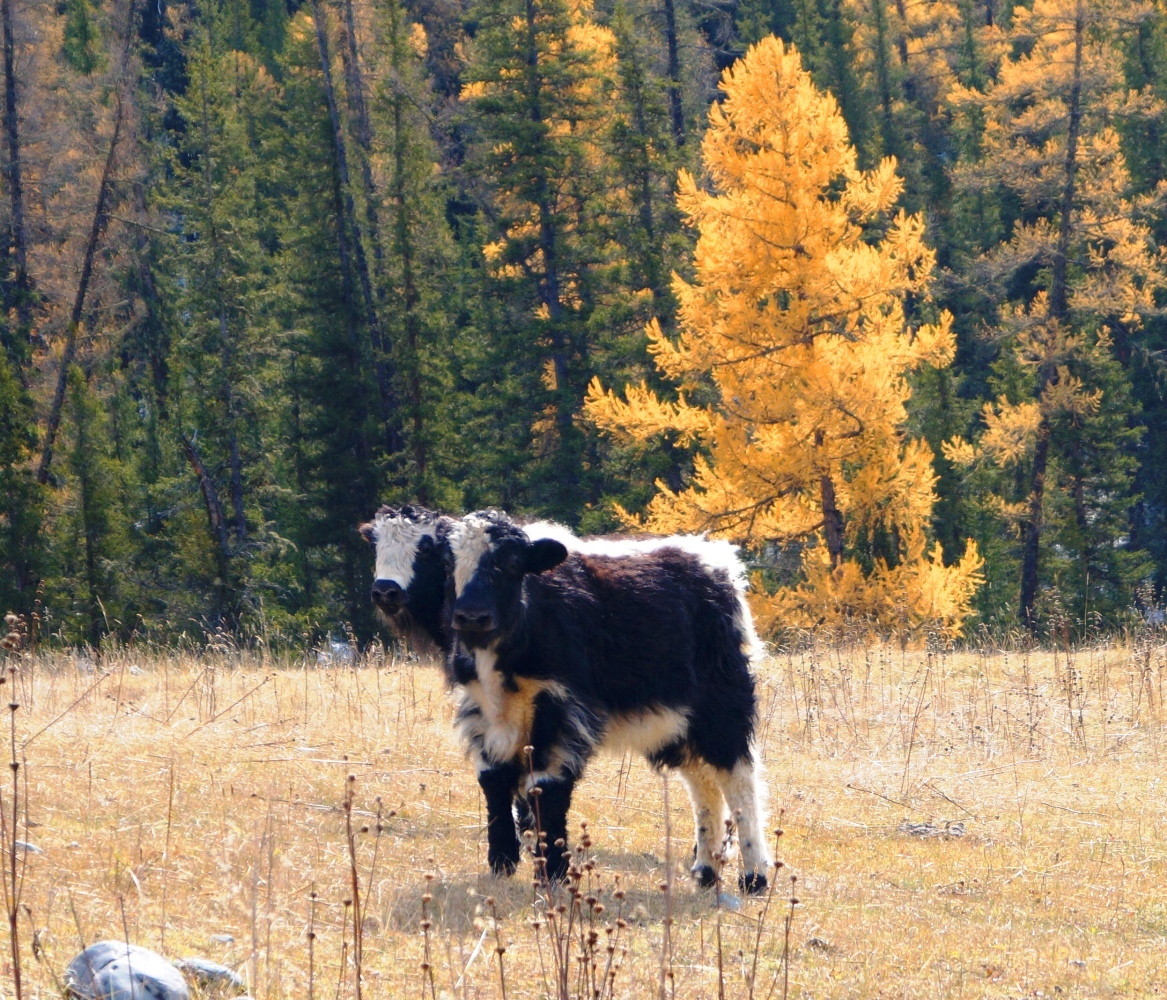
210, 975
819, 944
114, 970
24, 845
931, 830
729, 902
223, 938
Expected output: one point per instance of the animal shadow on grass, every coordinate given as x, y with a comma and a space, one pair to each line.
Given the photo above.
457, 903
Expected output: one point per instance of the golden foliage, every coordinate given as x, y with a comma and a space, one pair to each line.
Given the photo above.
1115, 265
919, 594
796, 318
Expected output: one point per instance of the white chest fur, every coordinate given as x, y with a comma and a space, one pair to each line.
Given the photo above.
505, 711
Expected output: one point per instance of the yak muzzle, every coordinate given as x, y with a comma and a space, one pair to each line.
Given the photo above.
473, 620
388, 595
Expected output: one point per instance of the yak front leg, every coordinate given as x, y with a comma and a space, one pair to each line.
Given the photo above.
548, 800
499, 783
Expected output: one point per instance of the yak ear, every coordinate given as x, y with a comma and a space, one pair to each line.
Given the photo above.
368, 532
544, 554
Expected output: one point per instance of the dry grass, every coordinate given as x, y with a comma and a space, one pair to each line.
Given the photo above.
201, 796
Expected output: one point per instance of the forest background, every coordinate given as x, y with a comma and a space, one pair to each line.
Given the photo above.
267, 264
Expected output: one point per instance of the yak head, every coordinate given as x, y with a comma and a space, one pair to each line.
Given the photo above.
409, 579
487, 558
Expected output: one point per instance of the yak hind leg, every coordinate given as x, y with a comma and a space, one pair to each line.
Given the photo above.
709, 820
745, 796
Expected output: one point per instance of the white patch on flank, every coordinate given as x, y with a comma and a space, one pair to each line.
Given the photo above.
646, 731
715, 554
745, 794
708, 813
397, 541
469, 541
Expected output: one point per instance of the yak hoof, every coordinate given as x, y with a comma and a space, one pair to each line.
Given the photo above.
554, 872
752, 883
704, 876
503, 866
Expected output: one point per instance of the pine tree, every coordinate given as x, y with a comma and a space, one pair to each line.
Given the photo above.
418, 253
539, 88
20, 506
337, 450
93, 541
81, 41
217, 271
796, 323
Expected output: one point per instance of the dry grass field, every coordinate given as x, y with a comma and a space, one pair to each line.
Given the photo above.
960, 825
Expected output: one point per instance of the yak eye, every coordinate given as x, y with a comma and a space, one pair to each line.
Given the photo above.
426, 545
512, 563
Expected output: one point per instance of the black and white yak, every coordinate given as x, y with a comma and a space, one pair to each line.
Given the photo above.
567, 645
409, 576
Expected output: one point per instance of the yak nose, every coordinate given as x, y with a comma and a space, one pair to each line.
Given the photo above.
387, 594
473, 621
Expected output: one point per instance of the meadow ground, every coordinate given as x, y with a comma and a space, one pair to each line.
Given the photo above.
966, 824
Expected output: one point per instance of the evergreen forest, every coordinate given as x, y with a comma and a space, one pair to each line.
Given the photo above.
874, 288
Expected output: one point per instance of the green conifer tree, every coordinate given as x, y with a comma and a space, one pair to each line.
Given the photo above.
81, 42
418, 255
540, 84
221, 278
340, 463
92, 543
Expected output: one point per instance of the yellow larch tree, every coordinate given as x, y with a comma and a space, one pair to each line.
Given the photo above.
1082, 252
795, 330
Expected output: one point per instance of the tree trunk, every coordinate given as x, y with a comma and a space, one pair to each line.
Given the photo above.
902, 41
88, 528
909, 83
16, 183
215, 522
95, 231
1082, 518
405, 249
643, 174
358, 108
1058, 291
148, 289
676, 111
549, 286
227, 394
832, 520
231, 406
883, 76
348, 217
1031, 539
343, 199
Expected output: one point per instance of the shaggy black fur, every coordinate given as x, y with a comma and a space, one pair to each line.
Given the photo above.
618, 635
615, 637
